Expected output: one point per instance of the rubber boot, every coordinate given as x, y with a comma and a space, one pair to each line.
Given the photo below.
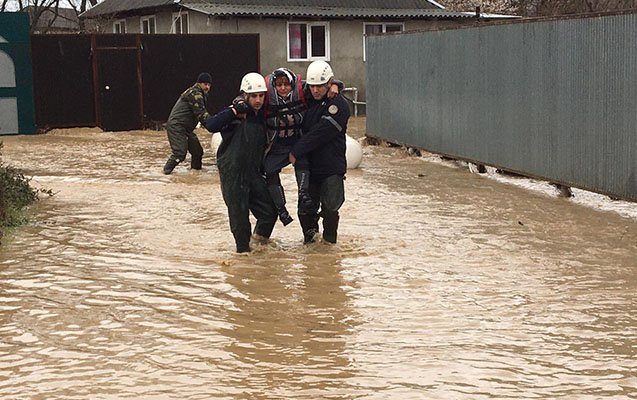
303, 182
309, 224
195, 162
196, 152
309, 236
278, 197
330, 227
170, 165
243, 248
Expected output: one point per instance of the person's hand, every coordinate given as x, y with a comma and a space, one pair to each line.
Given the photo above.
292, 159
239, 98
333, 92
241, 107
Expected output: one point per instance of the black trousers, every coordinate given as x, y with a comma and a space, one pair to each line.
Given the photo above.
243, 195
277, 159
327, 196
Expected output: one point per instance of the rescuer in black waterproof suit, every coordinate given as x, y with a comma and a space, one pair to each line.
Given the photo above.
239, 160
323, 143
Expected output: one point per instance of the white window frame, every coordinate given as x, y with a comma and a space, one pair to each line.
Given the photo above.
122, 26
308, 31
384, 30
148, 18
178, 16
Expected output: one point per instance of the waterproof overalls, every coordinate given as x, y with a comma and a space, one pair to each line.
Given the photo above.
239, 160
189, 109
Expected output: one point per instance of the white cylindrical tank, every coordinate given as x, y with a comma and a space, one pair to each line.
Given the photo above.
353, 152
215, 142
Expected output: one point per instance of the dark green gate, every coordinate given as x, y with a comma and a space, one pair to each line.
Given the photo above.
16, 85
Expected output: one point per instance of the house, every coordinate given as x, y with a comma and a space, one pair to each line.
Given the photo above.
53, 20
292, 32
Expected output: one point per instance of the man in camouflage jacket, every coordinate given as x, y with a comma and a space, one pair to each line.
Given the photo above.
189, 109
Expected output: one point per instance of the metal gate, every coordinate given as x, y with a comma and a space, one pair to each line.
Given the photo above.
124, 82
118, 84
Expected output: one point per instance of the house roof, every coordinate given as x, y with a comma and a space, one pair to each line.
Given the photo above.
65, 18
294, 8
110, 7
261, 10
323, 8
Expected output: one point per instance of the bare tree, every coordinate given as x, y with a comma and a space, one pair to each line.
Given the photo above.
545, 7
44, 13
37, 9
491, 6
533, 8
79, 6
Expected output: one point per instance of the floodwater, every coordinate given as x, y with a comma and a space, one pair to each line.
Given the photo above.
444, 285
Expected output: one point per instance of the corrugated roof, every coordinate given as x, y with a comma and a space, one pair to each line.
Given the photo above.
333, 12
411, 4
65, 18
327, 8
108, 7
295, 8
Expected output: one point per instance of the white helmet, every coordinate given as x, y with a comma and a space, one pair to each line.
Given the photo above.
253, 83
318, 73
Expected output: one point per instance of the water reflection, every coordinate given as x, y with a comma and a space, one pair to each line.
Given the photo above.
289, 328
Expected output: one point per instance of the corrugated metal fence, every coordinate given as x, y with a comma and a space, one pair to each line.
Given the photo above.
555, 99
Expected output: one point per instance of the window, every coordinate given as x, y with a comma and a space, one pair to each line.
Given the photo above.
180, 22
119, 26
308, 41
148, 24
374, 28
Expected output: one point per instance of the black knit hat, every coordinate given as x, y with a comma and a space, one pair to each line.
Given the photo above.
204, 77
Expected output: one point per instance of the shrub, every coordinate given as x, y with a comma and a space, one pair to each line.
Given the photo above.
15, 194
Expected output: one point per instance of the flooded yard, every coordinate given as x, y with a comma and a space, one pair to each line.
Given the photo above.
444, 285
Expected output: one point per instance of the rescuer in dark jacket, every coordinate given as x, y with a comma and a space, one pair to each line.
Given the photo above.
323, 143
239, 160
189, 109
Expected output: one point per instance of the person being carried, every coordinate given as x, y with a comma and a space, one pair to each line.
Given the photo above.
189, 110
285, 109
239, 160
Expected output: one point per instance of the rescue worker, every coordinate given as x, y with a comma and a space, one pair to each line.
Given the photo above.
323, 143
285, 109
239, 160
189, 109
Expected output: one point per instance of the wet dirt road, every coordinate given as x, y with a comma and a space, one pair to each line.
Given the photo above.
444, 285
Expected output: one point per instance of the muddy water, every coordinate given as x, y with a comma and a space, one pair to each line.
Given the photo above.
444, 285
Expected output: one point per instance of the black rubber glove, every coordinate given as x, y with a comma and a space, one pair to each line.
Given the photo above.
241, 107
